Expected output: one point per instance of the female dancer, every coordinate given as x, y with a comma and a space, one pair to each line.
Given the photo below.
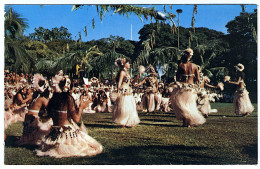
203, 98
21, 97
66, 139
242, 103
124, 110
18, 109
184, 96
36, 127
151, 93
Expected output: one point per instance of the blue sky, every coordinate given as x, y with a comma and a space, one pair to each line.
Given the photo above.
50, 16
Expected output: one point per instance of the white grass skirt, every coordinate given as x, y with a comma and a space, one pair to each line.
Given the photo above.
185, 106
68, 141
124, 111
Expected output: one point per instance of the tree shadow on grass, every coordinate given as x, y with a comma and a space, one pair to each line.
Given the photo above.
218, 115
103, 126
161, 125
155, 120
157, 115
252, 151
237, 116
11, 141
155, 155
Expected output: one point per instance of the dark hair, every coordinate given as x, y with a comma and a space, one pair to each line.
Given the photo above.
240, 74
46, 93
62, 83
41, 83
184, 57
16, 96
121, 67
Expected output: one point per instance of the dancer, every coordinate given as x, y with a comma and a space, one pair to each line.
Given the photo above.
151, 92
124, 110
66, 139
102, 101
35, 126
18, 108
22, 97
184, 96
242, 103
203, 101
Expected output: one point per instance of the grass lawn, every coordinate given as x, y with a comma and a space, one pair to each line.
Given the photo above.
158, 140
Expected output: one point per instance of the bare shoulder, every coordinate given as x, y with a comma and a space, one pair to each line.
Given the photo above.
194, 66
43, 99
122, 73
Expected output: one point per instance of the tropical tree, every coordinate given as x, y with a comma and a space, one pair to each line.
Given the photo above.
141, 12
46, 35
14, 24
16, 57
38, 49
207, 57
242, 39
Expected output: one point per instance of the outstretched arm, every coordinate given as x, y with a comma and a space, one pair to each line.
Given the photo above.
142, 82
136, 78
235, 83
211, 86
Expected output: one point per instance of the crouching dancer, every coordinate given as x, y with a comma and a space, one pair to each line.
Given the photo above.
66, 139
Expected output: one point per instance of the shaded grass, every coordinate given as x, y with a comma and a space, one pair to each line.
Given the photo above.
159, 140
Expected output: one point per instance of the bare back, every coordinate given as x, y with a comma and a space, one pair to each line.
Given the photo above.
38, 103
187, 73
61, 108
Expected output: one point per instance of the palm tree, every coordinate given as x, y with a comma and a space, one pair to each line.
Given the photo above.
104, 64
125, 10
207, 59
45, 66
16, 57
14, 24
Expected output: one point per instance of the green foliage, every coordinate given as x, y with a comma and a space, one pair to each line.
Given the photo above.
207, 44
125, 10
243, 47
195, 10
38, 50
17, 58
46, 35
243, 42
14, 24
104, 65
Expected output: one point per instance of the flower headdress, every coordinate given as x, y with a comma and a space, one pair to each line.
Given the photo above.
67, 84
55, 83
187, 51
60, 73
56, 80
239, 67
39, 83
